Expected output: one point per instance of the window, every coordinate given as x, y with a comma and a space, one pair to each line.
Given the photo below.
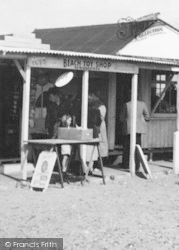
163, 93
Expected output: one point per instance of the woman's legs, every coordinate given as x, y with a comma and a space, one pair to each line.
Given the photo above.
65, 163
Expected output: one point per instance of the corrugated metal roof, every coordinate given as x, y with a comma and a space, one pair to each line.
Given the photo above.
7, 51
97, 41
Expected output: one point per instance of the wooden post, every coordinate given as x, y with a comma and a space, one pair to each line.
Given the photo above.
25, 121
84, 104
176, 136
177, 102
111, 110
84, 109
133, 123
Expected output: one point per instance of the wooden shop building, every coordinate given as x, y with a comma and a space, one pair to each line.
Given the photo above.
107, 59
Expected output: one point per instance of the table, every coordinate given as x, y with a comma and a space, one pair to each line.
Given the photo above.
54, 146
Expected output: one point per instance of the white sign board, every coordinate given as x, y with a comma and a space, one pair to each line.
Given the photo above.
143, 161
159, 41
77, 63
43, 170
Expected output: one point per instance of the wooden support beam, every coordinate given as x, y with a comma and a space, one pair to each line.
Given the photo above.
25, 121
84, 104
111, 110
7, 55
133, 123
178, 102
21, 71
84, 108
176, 136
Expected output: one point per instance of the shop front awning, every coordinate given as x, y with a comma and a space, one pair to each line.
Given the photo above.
8, 52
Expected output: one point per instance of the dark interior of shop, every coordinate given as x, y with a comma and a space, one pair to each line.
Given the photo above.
11, 89
11, 85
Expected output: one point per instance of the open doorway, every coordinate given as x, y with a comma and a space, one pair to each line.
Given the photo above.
122, 87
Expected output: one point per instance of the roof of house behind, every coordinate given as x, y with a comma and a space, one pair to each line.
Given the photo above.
99, 39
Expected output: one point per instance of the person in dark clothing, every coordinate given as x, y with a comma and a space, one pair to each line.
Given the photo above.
141, 128
76, 110
66, 104
53, 111
94, 120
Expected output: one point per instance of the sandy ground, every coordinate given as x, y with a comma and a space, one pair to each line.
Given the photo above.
126, 213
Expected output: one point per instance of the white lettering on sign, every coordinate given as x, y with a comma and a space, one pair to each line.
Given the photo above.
79, 64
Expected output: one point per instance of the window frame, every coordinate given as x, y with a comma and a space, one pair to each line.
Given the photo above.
167, 81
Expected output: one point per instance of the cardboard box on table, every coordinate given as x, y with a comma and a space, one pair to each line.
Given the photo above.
80, 134
75, 134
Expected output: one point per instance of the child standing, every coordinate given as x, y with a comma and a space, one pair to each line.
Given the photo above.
65, 121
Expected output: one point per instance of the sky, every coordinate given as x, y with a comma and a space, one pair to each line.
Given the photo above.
26, 15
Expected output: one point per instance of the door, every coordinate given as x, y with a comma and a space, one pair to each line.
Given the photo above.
122, 87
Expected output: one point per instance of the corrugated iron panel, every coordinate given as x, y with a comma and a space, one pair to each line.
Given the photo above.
6, 50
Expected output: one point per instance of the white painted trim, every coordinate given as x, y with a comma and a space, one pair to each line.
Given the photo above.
111, 110
175, 69
178, 102
21, 71
84, 104
133, 123
84, 109
7, 56
25, 121
176, 135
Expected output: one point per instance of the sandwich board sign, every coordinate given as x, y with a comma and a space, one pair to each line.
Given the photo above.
43, 170
143, 161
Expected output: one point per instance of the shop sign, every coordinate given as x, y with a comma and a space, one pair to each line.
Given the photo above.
87, 64
129, 27
150, 32
77, 63
43, 170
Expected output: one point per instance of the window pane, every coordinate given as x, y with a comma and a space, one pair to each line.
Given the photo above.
167, 104
174, 78
163, 78
158, 77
